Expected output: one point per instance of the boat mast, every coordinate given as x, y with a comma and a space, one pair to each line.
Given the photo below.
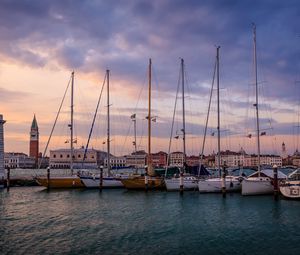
108, 125
218, 109
256, 97
72, 122
183, 115
149, 161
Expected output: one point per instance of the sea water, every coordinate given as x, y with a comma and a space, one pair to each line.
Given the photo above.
34, 221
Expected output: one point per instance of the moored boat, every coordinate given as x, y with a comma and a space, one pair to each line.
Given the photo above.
60, 182
214, 185
290, 188
138, 183
190, 182
260, 183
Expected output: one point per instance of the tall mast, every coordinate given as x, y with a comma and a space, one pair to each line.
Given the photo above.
108, 125
218, 109
183, 114
72, 122
256, 97
149, 161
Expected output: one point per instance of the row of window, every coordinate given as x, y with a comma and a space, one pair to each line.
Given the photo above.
68, 156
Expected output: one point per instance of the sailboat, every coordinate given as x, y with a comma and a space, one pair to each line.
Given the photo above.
257, 184
222, 183
109, 181
184, 181
149, 180
72, 181
290, 188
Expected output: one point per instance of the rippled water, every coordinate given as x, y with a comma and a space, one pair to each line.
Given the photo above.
34, 221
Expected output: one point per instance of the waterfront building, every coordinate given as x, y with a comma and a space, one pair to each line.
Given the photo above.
192, 160
136, 159
116, 162
176, 159
231, 158
18, 160
159, 159
60, 158
1, 151
34, 141
296, 158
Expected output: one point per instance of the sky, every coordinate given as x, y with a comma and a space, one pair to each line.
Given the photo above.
43, 41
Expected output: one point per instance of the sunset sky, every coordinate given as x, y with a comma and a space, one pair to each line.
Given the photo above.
42, 41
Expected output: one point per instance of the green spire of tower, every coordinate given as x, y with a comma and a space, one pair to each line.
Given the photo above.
34, 123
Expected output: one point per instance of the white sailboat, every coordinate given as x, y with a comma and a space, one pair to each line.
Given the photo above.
184, 181
290, 188
92, 181
257, 184
221, 183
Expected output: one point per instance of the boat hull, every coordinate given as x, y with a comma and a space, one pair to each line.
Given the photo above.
257, 186
290, 189
214, 185
138, 183
107, 182
189, 183
61, 182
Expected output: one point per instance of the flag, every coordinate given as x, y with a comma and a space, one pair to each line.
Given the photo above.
263, 133
133, 116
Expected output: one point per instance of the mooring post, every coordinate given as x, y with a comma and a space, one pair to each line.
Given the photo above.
8, 179
48, 178
181, 182
223, 181
275, 173
101, 179
146, 178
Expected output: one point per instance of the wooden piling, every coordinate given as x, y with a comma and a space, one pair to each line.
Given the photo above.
275, 173
8, 179
223, 182
101, 179
146, 179
181, 183
48, 178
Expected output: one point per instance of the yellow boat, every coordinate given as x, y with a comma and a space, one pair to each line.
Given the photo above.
62, 182
138, 183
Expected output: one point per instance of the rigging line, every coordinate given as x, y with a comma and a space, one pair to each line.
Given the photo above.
94, 118
172, 127
56, 118
135, 109
207, 116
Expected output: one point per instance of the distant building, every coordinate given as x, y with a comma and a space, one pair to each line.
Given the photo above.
18, 160
231, 158
137, 160
283, 151
116, 162
176, 158
192, 160
1, 152
61, 158
159, 159
34, 141
296, 158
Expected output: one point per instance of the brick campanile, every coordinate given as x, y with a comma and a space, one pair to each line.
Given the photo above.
34, 140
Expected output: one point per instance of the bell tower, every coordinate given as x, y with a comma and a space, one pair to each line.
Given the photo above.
34, 140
